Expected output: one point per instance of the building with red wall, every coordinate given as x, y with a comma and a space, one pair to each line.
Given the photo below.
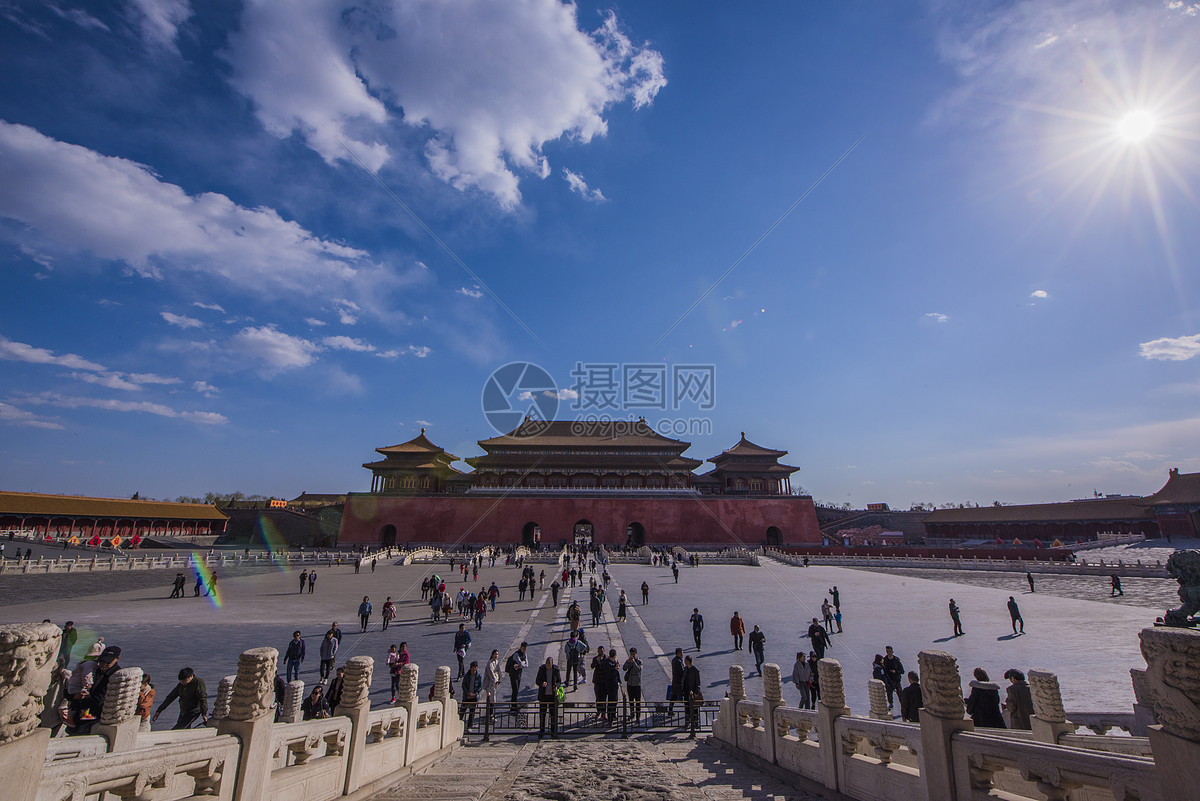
614, 483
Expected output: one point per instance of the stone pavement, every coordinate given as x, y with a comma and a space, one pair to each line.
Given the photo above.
583, 770
1090, 644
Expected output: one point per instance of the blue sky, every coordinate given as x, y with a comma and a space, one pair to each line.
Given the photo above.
243, 245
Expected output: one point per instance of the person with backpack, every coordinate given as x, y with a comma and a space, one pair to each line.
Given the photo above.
633, 682
575, 649
462, 642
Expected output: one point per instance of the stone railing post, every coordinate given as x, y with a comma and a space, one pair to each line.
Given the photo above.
877, 693
406, 697
772, 700
1143, 703
356, 705
251, 716
452, 727
725, 727
293, 702
220, 709
831, 707
119, 722
1049, 721
1173, 672
941, 717
27, 654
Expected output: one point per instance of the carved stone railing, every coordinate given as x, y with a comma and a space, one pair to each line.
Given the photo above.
308, 760
942, 758
984, 764
206, 768
246, 757
1122, 568
424, 555
879, 760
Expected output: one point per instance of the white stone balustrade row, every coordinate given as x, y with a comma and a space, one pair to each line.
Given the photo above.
184, 561
943, 758
1121, 568
247, 757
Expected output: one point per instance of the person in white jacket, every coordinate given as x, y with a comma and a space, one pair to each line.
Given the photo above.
491, 683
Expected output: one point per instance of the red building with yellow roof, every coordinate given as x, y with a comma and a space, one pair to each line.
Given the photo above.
615, 483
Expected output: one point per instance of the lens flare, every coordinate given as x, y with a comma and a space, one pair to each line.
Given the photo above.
1137, 125
205, 574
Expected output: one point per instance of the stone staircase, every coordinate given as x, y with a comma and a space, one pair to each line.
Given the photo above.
592, 770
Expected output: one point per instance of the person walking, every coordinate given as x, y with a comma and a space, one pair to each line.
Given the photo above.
329, 649
480, 611
596, 608
517, 662
472, 685
373, 561
801, 676
389, 612
758, 640
393, 669
893, 674
145, 702
491, 684
1018, 700
1014, 612
954, 616
621, 607
575, 649
633, 682
819, 637
554, 588
675, 571
364, 612
737, 627
548, 681
827, 615
337, 685
1115, 583
645, 593
462, 643
983, 704
814, 684
911, 700
303, 580
312, 581
193, 700
697, 626
1029, 578
607, 680
293, 656
691, 696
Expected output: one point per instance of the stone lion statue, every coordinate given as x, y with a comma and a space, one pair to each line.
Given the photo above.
1184, 567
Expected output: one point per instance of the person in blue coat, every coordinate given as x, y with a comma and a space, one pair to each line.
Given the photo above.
364, 612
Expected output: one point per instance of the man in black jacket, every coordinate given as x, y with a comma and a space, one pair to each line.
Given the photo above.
472, 685
691, 696
910, 699
548, 681
294, 656
893, 673
676, 680
819, 637
193, 700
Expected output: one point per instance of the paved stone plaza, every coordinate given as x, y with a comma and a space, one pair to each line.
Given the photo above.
1090, 644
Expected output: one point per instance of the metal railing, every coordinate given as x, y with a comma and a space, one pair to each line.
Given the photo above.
583, 719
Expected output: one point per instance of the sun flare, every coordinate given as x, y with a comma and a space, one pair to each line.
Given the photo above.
1136, 126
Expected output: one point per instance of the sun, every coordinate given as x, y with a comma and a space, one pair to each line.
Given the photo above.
1136, 126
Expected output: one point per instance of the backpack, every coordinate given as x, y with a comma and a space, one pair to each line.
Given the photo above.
512, 665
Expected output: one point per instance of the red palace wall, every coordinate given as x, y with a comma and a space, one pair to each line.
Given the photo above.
484, 520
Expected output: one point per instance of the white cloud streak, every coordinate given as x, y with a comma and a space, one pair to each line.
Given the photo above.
182, 320
11, 415
274, 350
347, 343
112, 405
113, 208
937, 317
20, 352
580, 187
1167, 349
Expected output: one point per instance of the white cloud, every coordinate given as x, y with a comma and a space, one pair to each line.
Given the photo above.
159, 20
206, 389
182, 320
275, 350
20, 417
347, 311
388, 354
420, 351
210, 306
1178, 349
1039, 293
937, 317
490, 83
129, 382
20, 352
471, 293
562, 394
112, 208
109, 404
314, 322
347, 343
424, 423
580, 187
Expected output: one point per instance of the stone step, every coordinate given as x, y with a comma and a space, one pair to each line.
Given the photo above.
592, 770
